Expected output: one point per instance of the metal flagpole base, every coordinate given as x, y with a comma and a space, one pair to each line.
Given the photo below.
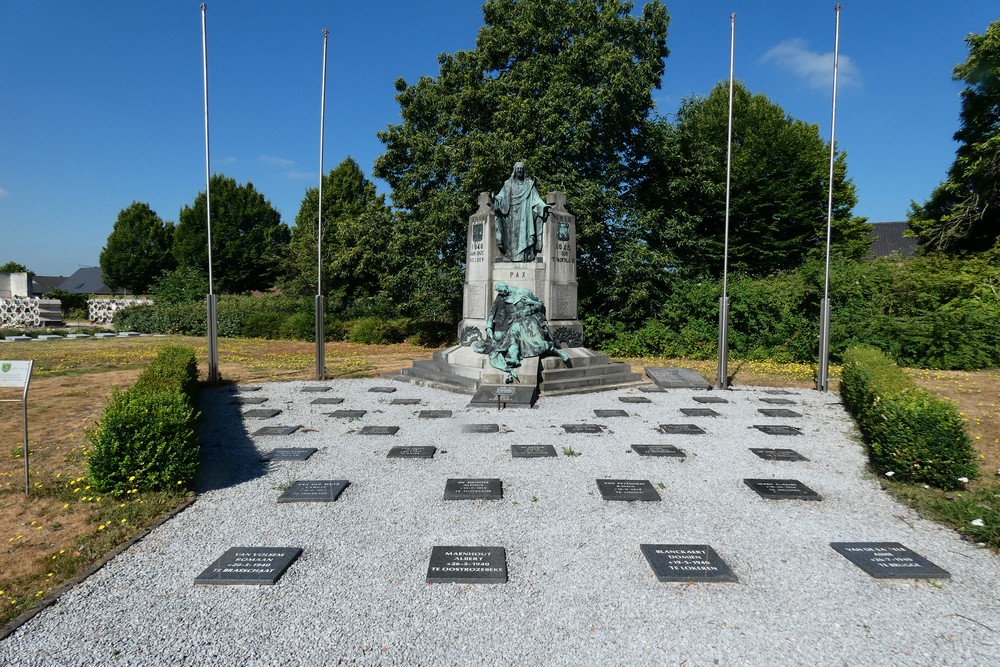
823, 374
722, 375
320, 339
213, 339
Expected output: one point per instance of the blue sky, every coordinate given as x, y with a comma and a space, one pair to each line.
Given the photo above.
101, 102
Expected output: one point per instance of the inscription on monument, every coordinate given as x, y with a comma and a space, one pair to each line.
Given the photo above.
472, 489
700, 412
709, 399
778, 429
605, 414
435, 414
249, 566
532, 451
778, 454
481, 428
326, 400
411, 453
260, 413
634, 399
275, 430
382, 390
347, 414
681, 429
467, 565
289, 454
582, 428
379, 430
627, 489
782, 489
686, 562
313, 491
658, 450
778, 412
405, 401
889, 560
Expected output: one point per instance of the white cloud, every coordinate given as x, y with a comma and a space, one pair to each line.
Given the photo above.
277, 161
816, 69
294, 175
3, 193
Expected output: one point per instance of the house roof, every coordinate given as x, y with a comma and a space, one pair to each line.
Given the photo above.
887, 239
88, 280
42, 284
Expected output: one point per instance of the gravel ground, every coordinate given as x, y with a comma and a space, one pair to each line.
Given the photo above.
580, 592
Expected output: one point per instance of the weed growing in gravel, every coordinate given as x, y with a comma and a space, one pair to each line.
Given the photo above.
569, 451
973, 513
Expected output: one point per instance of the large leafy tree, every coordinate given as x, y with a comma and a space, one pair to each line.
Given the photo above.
248, 238
138, 249
963, 213
13, 267
565, 86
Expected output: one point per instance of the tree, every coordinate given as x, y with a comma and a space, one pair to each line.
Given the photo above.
137, 250
248, 237
563, 85
14, 267
963, 213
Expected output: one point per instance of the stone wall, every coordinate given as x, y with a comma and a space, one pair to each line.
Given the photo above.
102, 311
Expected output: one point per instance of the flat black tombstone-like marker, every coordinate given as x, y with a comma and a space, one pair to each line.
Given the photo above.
347, 414
261, 413
382, 390
658, 450
255, 566
676, 378
379, 430
778, 454
289, 454
473, 489
687, 562
652, 389
326, 400
250, 400
777, 401
481, 428
275, 430
627, 489
709, 399
313, 491
777, 392
248, 388
778, 429
634, 399
582, 428
467, 565
681, 429
782, 489
532, 451
889, 560
778, 412
434, 414
607, 414
504, 396
700, 412
315, 389
405, 401
411, 452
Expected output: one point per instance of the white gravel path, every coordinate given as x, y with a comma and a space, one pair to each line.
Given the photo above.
580, 591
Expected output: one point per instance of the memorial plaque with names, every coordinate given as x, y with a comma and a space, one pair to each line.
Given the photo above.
379, 430
778, 412
778, 401
778, 429
434, 414
681, 429
658, 450
627, 489
405, 401
700, 412
275, 430
261, 413
686, 562
490, 395
313, 491
889, 560
411, 453
289, 454
778, 392
652, 389
473, 489
250, 400
481, 428
607, 414
582, 428
782, 489
259, 566
709, 399
315, 389
326, 400
532, 451
382, 390
347, 414
778, 454
634, 399
676, 378
467, 565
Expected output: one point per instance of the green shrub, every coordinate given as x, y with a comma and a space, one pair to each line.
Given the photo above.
911, 433
262, 325
300, 326
378, 331
69, 303
174, 368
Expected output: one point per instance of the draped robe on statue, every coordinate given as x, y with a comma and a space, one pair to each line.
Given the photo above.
520, 213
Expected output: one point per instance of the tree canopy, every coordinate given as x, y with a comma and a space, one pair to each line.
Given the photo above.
963, 213
14, 267
138, 249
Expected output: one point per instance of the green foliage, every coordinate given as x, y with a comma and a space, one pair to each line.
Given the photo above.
14, 267
68, 301
137, 250
959, 510
174, 367
911, 433
181, 285
376, 331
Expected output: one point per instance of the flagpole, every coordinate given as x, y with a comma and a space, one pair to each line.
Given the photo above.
212, 331
320, 312
722, 376
823, 373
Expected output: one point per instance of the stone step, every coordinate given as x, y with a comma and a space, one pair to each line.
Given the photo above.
585, 371
420, 382
579, 358
442, 377
435, 366
592, 383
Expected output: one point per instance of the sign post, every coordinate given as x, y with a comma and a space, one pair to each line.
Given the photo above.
18, 374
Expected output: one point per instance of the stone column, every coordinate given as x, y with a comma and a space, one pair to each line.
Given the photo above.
560, 295
480, 255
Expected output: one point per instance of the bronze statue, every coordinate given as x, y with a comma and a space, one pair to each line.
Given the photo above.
520, 213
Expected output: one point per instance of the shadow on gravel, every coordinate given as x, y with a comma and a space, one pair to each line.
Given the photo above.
228, 455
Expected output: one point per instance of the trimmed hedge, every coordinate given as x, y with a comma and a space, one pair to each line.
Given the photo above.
146, 438
911, 433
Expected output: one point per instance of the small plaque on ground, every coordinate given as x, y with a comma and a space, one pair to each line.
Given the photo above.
261, 413
658, 450
313, 491
681, 429
275, 430
607, 414
652, 389
435, 414
347, 414
778, 429
889, 560
289, 454
258, 566
778, 401
700, 412
315, 389
379, 430
248, 388
778, 454
782, 489
326, 400
411, 453
481, 428
250, 400
582, 428
676, 378
627, 489
532, 451
634, 399
405, 401
709, 399
509, 396
382, 390
778, 412
686, 562
467, 565
472, 489
778, 392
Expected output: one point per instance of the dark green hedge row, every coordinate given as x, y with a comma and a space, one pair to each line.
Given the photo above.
146, 438
910, 433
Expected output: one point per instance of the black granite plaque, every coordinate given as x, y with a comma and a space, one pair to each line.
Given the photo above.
481, 428
275, 430
379, 430
261, 413
435, 414
889, 560
700, 412
676, 378
467, 565
778, 412
627, 489
681, 429
778, 401
258, 566
634, 399
382, 390
778, 392
658, 450
313, 491
405, 401
652, 389
778, 454
411, 453
582, 428
532, 451
606, 414
250, 400
315, 389
686, 562
709, 399
326, 400
289, 454
510, 397
248, 388
347, 414
472, 489
778, 429
782, 489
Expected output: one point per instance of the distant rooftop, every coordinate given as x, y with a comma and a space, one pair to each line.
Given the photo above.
887, 240
88, 280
